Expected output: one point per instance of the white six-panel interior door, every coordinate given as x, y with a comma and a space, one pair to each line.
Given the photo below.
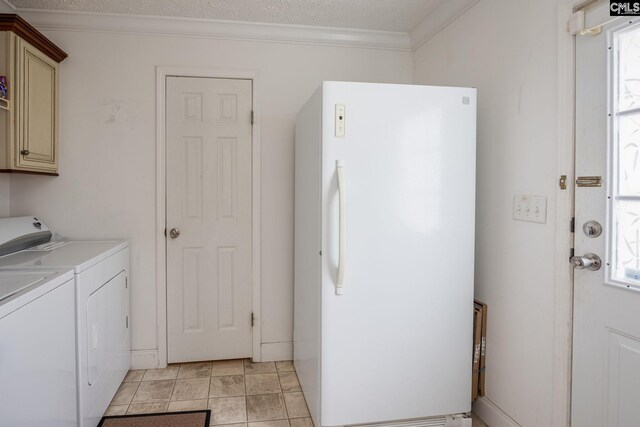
606, 335
208, 218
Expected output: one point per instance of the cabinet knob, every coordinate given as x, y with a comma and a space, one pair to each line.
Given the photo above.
24, 152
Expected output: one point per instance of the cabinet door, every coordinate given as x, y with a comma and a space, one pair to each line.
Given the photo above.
36, 145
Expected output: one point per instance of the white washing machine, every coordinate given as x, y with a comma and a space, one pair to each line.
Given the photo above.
101, 269
37, 349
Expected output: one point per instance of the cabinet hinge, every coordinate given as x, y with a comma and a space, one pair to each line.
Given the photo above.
253, 319
572, 224
127, 321
252, 118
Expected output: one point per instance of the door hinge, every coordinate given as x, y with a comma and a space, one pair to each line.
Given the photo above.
252, 118
253, 319
572, 252
127, 321
572, 224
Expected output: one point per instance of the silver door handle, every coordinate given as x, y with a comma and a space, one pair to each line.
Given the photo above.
588, 261
174, 233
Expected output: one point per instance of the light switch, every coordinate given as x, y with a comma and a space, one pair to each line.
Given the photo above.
530, 208
340, 120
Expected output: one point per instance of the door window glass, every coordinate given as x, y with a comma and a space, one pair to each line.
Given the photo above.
624, 173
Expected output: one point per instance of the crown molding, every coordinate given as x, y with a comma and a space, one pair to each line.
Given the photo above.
442, 16
433, 23
218, 29
14, 23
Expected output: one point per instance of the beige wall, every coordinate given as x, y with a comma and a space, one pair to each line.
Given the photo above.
106, 186
4, 195
4, 178
507, 49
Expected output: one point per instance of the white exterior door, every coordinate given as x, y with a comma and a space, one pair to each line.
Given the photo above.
209, 289
606, 336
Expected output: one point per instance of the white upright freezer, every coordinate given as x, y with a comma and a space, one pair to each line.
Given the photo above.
384, 252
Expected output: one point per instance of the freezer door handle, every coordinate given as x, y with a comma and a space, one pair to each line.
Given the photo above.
342, 227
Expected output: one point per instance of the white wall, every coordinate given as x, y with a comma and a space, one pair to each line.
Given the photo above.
507, 49
106, 186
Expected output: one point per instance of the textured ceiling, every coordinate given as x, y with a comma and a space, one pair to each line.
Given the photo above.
390, 15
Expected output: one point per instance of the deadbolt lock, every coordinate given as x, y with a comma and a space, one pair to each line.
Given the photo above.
592, 229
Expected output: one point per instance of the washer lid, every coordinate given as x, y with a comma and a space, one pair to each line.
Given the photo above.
19, 287
78, 255
12, 285
21, 232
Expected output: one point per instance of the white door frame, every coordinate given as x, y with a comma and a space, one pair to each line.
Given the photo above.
565, 165
161, 249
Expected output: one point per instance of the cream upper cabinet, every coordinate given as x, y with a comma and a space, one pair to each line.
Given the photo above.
29, 140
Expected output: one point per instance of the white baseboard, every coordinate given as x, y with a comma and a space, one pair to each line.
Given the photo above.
491, 414
145, 359
270, 352
273, 351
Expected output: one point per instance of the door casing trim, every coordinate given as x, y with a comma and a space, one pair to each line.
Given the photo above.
565, 208
162, 72
565, 165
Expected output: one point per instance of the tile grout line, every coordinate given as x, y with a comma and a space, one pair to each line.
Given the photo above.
134, 394
175, 381
284, 403
246, 403
209, 388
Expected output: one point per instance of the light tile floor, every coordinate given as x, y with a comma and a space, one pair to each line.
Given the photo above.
239, 393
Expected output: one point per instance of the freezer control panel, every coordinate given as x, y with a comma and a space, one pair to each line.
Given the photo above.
340, 119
